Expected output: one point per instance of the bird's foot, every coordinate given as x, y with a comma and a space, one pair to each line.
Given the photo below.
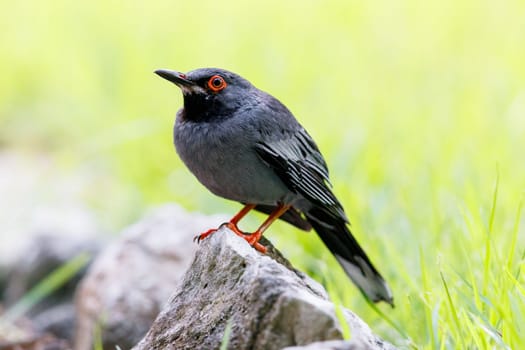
203, 235
252, 239
211, 231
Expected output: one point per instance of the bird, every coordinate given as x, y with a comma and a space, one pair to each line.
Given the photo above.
244, 145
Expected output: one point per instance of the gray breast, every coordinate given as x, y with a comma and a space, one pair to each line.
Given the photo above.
222, 157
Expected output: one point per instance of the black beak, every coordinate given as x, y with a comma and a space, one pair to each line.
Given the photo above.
176, 78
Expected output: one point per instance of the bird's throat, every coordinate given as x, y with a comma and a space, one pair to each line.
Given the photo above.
204, 108
196, 107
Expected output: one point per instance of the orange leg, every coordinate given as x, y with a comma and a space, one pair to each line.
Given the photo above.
252, 239
242, 213
232, 224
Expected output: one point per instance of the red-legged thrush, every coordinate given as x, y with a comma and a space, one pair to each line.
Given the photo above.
245, 145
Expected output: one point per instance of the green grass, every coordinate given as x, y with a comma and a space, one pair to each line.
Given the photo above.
56, 279
418, 107
226, 337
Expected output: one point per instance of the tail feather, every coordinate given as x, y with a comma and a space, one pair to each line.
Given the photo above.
335, 234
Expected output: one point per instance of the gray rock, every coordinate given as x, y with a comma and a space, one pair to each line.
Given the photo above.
41, 256
344, 345
131, 280
21, 335
267, 303
36, 261
44, 222
325, 345
58, 320
39, 198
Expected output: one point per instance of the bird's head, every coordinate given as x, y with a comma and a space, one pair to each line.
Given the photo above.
210, 94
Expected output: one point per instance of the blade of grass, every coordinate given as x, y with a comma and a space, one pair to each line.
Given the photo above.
388, 319
452, 309
226, 337
512, 248
345, 328
516, 282
435, 324
489, 331
52, 282
517, 320
487, 258
426, 287
97, 337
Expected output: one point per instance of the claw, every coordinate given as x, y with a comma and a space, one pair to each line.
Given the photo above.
259, 247
202, 236
251, 239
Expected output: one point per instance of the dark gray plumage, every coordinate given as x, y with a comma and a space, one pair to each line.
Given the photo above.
245, 145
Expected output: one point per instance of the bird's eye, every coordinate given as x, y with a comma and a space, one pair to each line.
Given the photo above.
216, 83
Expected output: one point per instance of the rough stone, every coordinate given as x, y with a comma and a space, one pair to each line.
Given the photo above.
44, 222
38, 258
132, 279
21, 335
266, 303
344, 345
37, 199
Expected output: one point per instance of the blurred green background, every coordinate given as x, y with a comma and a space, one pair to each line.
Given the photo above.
418, 107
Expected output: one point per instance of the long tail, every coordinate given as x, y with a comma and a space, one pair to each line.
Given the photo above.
335, 234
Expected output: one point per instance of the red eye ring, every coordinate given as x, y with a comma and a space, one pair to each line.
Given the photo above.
216, 83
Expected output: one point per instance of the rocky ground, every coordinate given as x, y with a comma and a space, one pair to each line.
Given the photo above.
151, 286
